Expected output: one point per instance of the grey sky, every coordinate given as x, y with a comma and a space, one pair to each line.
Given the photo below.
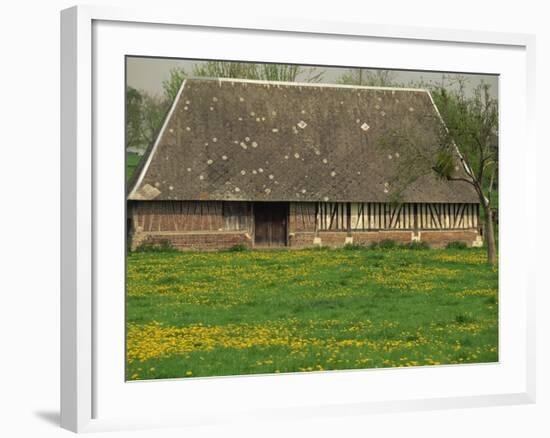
148, 73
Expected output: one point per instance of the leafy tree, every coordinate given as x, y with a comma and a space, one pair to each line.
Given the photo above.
133, 117
172, 85
362, 76
472, 124
224, 69
154, 109
144, 115
288, 73
269, 72
467, 148
278, 72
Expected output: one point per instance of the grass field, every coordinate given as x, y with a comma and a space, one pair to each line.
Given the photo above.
132, 160
226, 313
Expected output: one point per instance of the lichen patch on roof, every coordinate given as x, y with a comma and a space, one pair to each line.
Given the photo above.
258, 131
146, 193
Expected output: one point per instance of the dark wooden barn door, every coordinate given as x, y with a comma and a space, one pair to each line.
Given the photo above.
270, 220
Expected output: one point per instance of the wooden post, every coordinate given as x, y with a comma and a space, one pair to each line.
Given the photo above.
316, 229
253, 225
348, 218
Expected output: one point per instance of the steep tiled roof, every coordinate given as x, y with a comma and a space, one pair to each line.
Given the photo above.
267, 141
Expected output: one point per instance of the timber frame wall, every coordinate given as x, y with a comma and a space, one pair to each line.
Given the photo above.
219, 225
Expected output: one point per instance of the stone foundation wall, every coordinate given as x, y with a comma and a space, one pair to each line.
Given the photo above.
368, 237
440, 238
190, 241
224, 240
435, 239
301, 240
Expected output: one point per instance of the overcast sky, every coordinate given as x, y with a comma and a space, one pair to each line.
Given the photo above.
148, 73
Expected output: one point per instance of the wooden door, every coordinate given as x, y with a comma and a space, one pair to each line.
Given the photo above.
270, 224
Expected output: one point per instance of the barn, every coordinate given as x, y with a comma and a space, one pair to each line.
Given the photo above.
272, 164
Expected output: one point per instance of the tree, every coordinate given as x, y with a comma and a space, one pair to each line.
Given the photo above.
172, 85
144, 115
288, 73
225, 69
363, 76
133, 117
472, 123
466, 149
267, 72
153, 111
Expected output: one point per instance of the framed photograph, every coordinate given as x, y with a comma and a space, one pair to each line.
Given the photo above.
291, 219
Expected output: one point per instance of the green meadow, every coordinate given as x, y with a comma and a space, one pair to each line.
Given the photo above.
246, 312
132, 160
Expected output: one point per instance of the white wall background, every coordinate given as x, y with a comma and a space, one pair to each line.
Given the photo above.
29, 216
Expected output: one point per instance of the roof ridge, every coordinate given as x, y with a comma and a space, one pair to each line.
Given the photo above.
308, 84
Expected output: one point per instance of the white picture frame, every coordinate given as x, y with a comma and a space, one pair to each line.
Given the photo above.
89, 87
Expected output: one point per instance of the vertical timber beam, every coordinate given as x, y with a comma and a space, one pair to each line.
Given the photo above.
348, 218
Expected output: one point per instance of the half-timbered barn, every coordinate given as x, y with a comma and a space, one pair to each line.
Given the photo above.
268, 164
